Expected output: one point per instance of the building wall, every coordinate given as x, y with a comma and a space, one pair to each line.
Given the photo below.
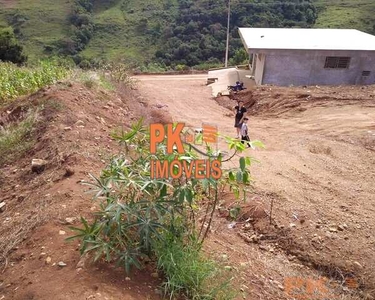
259, 68
298, 67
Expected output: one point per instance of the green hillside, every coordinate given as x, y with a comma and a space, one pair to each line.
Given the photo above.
128, 29
37, 23
357, 14
164, 32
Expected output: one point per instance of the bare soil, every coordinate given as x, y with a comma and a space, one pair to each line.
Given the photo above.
73, 136
318, 169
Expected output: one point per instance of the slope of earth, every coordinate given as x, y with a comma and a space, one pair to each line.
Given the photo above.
357, 14
318, 169
41, 22
72, 134
128, 30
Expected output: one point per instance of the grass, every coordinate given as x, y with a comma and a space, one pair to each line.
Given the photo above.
16, 81
44, 22
356, 14
117, 34
188, 272
16, 139
93, 79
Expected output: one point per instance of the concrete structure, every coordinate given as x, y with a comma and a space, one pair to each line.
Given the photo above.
310, 56
222, 78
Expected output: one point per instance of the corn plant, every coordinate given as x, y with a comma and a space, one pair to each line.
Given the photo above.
16, 81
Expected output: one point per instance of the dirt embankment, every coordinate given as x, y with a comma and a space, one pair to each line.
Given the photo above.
277, 101
72, 138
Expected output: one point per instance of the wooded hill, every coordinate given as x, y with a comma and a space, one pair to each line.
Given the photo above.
159, 34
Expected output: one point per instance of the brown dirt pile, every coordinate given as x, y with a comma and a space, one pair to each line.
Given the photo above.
276, 101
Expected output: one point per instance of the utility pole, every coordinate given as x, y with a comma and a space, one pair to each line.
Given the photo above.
228, 31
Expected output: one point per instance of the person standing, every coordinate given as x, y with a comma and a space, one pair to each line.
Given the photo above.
240, 112
245, 133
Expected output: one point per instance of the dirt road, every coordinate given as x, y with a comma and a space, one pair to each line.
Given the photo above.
185, 97
318, 166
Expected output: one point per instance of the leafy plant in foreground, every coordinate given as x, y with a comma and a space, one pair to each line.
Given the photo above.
140, 216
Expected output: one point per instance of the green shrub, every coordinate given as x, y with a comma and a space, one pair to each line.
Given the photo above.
10, 49
142, 216
181, 68
188, 272
106, 83
240, 57
90, 79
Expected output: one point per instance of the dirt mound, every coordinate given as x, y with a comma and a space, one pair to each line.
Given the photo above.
70, 139
276, 101
258, 225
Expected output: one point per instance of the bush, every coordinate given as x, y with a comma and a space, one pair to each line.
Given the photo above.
10, 50
240, 58
142, 216
189, 273
181, 68
82, 29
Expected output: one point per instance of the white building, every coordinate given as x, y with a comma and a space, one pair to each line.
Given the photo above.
310, 56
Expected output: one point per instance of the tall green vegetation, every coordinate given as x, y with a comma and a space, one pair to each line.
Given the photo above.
16, 81
150, 34
82, 29
161, 34
10, 49
157, 218
198, 33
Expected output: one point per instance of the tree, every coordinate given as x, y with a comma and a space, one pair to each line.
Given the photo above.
197, 34
10, 49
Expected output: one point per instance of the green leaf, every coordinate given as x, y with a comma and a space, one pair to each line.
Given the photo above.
258, 144
239, 176
245, 178
242, 164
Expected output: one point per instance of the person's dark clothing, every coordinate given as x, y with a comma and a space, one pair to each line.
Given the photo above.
239, 114
245, 138
239, 86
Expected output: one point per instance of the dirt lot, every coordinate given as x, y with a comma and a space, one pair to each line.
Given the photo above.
318, 169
